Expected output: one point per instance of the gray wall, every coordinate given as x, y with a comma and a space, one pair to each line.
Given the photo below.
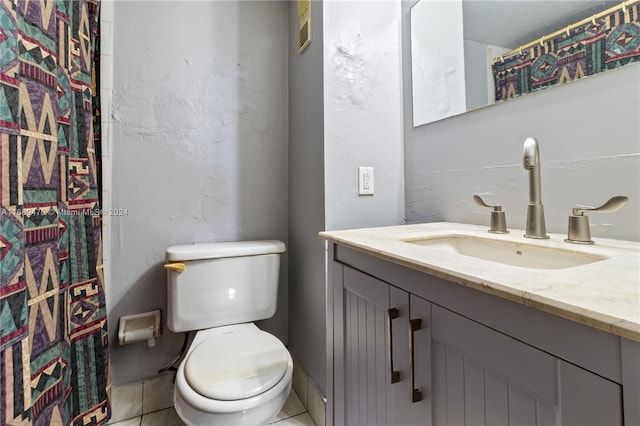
306, 197
589, 135
475, 73
199, 148
345, 103
363, 112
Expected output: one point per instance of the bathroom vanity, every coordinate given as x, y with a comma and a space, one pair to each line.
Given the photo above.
447, 324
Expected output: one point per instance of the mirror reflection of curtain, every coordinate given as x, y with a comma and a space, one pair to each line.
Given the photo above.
613, 41
53, 340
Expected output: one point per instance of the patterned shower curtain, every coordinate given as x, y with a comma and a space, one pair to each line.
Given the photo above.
603, 44
53, 341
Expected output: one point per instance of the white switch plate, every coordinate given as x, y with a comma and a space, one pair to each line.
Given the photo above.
365, 180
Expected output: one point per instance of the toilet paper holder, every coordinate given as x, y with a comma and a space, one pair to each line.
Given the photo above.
139, 328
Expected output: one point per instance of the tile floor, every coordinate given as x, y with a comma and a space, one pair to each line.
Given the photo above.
292, 414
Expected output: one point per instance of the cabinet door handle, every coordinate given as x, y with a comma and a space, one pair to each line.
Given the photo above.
414, 325
391, 315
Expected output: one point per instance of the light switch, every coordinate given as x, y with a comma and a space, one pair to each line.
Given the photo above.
365, 180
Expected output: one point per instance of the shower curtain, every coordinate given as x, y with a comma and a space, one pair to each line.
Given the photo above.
53, 340
602, 44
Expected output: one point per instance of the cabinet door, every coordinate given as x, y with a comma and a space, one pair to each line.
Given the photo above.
482, 377
363, 355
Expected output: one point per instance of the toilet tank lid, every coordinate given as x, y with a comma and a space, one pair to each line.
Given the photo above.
223, 249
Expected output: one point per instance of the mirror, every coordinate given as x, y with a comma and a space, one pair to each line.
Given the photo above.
454, 43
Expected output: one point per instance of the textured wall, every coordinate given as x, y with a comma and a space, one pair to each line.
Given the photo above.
439, 77
363, 112
345, 111
199, 147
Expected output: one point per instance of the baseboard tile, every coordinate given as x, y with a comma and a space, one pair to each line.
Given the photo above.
309, 394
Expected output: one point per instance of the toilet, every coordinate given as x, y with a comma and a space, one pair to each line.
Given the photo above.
233, 373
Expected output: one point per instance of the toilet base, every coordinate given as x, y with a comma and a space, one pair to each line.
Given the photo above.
258, 415
197, 410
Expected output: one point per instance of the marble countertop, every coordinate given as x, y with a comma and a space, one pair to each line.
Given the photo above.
603, 294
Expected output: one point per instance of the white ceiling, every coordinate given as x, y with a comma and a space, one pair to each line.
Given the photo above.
513, 23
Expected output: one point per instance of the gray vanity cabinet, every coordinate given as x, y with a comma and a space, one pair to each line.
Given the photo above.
401, 358
368, 311
482, 377
374, 380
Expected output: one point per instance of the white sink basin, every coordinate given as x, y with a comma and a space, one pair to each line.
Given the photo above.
508, 252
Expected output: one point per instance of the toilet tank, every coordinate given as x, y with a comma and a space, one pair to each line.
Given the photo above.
215, 284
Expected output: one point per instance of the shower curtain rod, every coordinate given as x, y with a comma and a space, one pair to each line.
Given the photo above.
593, 18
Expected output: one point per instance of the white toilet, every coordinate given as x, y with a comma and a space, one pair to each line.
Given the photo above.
233, 373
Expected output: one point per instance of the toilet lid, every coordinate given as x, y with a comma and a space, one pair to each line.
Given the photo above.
235, 366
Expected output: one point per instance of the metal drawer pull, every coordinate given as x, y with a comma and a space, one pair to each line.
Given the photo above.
391, 315
414, 325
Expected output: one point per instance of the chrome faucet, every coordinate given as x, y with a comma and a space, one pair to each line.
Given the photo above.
535, 212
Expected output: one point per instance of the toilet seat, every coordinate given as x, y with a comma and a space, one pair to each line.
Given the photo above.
233, 366
191, 403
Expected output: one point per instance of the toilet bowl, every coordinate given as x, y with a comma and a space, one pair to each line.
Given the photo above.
233, 373
250, 391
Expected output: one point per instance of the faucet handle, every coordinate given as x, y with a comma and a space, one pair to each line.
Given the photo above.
498, 219
579, 232
615, 203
